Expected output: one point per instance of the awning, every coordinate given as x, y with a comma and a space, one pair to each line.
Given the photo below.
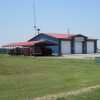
31, 43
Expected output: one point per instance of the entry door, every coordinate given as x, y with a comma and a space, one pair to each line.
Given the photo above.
78, 47
90, 47
65, 47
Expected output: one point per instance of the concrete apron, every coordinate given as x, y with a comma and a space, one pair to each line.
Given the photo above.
81, 56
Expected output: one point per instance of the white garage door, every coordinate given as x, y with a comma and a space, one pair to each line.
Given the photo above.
78, 47
90, 47
65, 47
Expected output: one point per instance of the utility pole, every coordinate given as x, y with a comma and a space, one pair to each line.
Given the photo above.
68, 31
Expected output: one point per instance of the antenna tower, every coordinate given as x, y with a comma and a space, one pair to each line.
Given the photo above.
34, 17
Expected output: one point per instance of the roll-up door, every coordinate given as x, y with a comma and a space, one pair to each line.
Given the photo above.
90, 47
66, 47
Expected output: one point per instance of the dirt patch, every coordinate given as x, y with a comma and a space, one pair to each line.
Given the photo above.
75, 92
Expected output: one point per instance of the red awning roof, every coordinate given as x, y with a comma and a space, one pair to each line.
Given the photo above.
30, 43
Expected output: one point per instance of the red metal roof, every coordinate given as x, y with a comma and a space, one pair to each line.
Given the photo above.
91, 38
31, 43
55, 35
61, 36
66, 36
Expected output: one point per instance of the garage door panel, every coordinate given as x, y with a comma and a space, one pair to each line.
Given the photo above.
65, 47
90, 47
78, 47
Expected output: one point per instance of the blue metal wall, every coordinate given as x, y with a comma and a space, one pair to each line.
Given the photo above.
56, 49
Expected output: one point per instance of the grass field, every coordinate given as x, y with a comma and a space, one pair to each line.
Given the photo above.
93, 95
25, 78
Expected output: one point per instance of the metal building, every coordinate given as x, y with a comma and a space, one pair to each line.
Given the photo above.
61, 44
70, 43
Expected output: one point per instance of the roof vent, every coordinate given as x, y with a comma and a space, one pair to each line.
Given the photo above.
38, 30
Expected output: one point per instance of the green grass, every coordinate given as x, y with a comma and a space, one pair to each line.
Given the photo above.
93, 95
24, 78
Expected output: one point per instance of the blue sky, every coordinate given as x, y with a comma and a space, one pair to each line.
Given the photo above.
16, 18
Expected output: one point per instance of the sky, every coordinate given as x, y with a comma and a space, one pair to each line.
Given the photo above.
52, 16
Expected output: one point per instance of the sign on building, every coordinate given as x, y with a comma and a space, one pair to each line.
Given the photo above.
79, 39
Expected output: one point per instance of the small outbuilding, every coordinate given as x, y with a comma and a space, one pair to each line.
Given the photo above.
60, 44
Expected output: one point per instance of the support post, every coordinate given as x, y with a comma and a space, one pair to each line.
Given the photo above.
95, 46
59, 47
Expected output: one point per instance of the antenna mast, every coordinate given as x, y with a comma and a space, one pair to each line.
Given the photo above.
34, 17
68, 31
